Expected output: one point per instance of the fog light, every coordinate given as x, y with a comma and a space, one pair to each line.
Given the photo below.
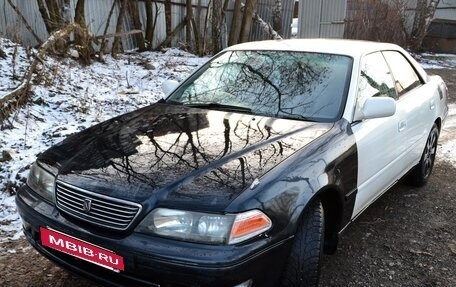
247, 283
26, 226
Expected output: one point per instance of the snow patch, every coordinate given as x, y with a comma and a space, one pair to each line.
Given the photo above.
436, 61
70, 98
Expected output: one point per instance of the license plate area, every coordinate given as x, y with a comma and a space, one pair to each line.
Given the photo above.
81, 249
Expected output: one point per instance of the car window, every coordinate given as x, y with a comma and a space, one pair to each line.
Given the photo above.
375, 79
284, 84
404, 75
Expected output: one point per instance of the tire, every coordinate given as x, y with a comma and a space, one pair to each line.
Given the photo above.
303, 267
420, 174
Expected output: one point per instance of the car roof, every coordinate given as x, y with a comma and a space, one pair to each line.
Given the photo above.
353, 48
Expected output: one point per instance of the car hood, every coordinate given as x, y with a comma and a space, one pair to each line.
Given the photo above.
175, 155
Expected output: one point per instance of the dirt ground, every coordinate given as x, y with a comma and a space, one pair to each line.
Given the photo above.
406, 238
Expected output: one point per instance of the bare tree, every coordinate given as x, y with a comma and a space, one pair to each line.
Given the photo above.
151, 22
189, 24
83, 42
52, 15
423, 16
249, 12
168, 17
277, 16
236, 23
216, 25
104, 41
133, 12
117, 44
377, 20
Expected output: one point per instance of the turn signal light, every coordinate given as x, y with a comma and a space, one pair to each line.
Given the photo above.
249, 224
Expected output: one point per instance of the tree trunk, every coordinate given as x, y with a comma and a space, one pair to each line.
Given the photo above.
266, 27
235, 24
105, 41
173, 33
277, 16
189, 25
224, 28
117, 43
168, 17
423, 16
134, 17
55, 14
216, 25
249, 12
206, 25
44, 15
83, 43
149, 24
79, 14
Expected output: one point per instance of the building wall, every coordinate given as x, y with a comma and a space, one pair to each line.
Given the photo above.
97, 12
321, 18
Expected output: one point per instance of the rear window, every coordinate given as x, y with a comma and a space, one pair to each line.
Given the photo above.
405, 77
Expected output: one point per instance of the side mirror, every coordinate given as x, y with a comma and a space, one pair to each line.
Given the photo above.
169, 86
378, 107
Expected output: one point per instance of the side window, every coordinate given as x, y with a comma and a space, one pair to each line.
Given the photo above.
375, 79
404, 75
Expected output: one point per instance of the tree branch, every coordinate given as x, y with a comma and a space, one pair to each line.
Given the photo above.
14, 99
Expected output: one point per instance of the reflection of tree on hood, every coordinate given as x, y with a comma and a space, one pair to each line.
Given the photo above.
163, 143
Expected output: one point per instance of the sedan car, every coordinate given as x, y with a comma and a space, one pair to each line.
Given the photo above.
244, 174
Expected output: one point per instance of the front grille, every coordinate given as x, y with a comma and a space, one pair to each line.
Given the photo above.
94, 208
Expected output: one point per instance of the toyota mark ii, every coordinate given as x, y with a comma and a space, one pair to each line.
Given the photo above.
244, 174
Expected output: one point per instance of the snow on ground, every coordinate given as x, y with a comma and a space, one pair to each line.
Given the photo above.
436, 61
71, 97
447, 150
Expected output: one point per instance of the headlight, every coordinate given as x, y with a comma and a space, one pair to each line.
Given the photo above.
42, 182
204, 227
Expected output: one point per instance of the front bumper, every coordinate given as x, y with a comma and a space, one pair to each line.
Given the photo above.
152, 261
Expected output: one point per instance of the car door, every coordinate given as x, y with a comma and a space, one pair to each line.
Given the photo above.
378, 140
415, 107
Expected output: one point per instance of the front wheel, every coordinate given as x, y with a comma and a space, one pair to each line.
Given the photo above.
419, 175
303, 267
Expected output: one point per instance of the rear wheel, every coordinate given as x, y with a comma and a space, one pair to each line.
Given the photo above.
419, 175
303, 267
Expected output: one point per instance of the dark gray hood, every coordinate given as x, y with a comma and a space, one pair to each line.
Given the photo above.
178, 154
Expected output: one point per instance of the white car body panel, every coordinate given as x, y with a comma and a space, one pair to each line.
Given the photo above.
387, 147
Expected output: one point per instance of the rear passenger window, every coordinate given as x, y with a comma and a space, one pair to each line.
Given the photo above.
375, 79
405, 77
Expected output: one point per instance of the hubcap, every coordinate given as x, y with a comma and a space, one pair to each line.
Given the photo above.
429, 153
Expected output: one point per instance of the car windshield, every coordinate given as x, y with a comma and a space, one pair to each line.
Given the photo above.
285, 84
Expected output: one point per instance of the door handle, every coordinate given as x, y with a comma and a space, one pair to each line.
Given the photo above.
432, 104
402, 125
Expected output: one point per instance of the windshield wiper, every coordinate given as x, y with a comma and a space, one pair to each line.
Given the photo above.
220, 107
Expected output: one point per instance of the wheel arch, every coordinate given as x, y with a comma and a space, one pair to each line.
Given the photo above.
333, 210
438, 122
332, 200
